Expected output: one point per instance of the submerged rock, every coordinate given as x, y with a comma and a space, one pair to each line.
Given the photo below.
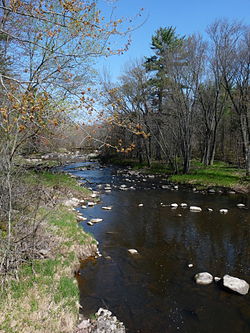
195, 209
235, 284
203, 278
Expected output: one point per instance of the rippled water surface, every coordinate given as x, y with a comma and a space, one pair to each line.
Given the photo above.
155, 291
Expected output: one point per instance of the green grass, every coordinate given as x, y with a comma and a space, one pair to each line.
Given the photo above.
220, 174
55, 180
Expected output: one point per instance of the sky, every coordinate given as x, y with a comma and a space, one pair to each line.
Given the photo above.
190, 16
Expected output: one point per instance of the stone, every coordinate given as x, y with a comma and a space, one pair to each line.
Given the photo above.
90, 223
81, 218
203, 278
223, 211
140, 205
210, 209
240, 205
164, 186
217, 279
174, 205
107, 207
176, 187
211, 190
235, 284
183, 205
91, 204
96, 220
195, 209
133, 251
190, 265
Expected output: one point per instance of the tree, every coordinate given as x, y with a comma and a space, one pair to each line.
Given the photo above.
231, 42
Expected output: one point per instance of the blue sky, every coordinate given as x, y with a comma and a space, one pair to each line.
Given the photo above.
188, 17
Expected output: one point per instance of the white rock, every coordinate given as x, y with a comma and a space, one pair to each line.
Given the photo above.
81, 218
107, 207
93, 195
240, 205
96, 220
108, 191
190, 265
133, 251
195, 209
165, 186
123, 186
183, 205
174, 205
140, 205
84, 207
176, 187
210, 209
217, 279
90, 223
223, 211
91, 203
235, 284
203, 278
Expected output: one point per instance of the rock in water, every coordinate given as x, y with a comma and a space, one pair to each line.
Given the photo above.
195, 209
96, 220
223, 211
174, 205
203, 278
235, 284
133, 251
107, 207
240, 205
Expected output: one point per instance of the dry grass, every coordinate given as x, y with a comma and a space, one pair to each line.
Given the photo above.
45, 298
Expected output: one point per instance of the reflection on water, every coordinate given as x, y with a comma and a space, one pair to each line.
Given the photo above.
154, 291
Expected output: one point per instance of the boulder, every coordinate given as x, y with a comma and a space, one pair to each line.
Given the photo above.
195, 209
235, 284
203, 278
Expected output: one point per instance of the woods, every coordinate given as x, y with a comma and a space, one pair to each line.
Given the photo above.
189, 100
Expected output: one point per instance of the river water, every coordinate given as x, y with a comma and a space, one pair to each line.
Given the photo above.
155, 291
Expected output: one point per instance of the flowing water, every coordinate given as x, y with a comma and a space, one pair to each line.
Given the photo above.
154, 291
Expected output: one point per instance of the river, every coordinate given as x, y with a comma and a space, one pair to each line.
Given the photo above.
155, 291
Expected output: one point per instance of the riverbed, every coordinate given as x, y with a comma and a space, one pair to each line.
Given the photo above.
154, 291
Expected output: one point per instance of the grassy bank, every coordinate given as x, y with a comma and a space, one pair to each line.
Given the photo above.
220, 174
45, 296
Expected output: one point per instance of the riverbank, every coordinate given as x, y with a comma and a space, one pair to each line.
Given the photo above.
220, 175
44, 296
